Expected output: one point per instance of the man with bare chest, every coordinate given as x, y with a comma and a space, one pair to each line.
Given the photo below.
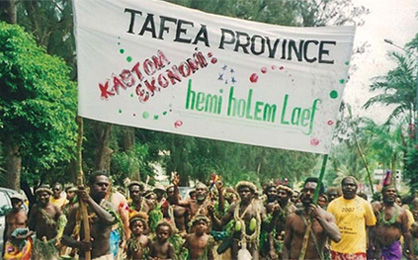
47, 221
200, 205
16, 229
270, 190
323, 226
138, 203
173, 211
159, 192
17, 217
392, 223
101, 216
269, 242
284, 194
248, 215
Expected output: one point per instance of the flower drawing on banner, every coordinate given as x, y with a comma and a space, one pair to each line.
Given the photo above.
227, 75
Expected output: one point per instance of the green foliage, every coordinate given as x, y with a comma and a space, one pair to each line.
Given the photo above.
196, 158
284, 12
383, 147
37, 101
131, 164
328, 12
51, 23
267, 11
397, 87
155, 216
411, 169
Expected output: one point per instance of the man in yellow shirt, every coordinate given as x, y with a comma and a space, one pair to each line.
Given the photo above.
352, 215
58, 198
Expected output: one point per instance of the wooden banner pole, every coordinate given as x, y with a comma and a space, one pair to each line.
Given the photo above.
315, 201
80, 183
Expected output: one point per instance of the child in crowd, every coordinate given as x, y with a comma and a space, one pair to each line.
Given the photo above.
161, 248
199, 243
138, 242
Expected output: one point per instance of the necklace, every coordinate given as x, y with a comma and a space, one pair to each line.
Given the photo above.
390, 221
255, 236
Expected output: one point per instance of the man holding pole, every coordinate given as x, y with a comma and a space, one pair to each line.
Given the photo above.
352, 214
323, 226
101, 217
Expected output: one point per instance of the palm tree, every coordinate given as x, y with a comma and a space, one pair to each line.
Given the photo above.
366, 146
398, 86
385, 142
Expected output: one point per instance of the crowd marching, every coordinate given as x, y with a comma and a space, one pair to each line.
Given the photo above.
215, 222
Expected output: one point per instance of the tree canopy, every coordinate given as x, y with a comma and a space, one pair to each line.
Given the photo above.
37, 102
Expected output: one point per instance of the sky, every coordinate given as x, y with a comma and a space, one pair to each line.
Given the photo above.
388, 19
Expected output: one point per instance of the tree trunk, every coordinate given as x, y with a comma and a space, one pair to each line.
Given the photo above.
8, 11
29, 194
128, 138
103, 152
13, 165
72, 170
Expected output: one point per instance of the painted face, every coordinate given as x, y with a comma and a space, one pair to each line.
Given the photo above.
245, 194
201, 193
135, 193
308, 193
389, 195
271, 194
137, 227
349, 187
43, 197
163, 233
100, 187
201, 226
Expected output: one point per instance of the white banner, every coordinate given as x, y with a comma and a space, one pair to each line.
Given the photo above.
155, 65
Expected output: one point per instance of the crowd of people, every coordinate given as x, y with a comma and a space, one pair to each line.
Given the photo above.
215, 222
